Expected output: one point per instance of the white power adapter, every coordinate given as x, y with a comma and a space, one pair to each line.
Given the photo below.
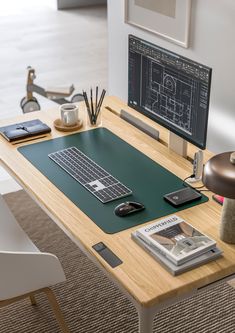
197, 167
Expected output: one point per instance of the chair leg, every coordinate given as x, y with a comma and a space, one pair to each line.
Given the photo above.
56, 309
33, 299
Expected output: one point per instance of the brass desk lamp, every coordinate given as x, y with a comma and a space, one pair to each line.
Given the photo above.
219, 177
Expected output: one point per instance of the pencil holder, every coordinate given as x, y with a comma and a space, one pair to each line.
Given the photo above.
93, 107
94, 121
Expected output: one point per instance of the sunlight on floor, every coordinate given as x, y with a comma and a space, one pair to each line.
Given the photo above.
16, 7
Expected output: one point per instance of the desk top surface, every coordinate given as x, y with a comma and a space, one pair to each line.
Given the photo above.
144, 279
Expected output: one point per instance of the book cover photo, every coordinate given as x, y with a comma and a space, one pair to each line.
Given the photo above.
177, 239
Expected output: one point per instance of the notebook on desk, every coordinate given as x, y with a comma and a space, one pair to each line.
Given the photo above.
24, 130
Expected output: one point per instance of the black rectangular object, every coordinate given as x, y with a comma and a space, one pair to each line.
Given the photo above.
107, 254
170, 89
24, 130
182, 196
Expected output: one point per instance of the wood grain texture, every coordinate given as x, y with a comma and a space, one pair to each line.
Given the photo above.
139, 274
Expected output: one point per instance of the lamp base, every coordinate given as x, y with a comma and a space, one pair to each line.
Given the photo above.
227, 225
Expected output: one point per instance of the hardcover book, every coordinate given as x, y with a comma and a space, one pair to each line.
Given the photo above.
176, 239
202, 259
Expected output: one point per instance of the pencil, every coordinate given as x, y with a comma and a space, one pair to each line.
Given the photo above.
100, 103
96, 97
87, 106
92, 108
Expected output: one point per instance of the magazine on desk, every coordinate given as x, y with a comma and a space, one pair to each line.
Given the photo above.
175, 239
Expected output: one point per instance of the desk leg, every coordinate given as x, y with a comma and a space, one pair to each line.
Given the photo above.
146, 316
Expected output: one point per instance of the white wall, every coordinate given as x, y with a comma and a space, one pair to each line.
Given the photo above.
212, 42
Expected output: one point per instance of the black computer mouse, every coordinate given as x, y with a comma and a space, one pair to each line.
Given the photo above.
127, 208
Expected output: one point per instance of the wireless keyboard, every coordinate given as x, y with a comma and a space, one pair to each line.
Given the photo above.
89, 174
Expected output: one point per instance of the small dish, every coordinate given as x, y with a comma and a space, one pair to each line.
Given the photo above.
60, 127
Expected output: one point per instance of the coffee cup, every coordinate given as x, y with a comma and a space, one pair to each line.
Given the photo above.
69, 114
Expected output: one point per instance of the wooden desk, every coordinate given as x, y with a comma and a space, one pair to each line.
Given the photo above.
144, 281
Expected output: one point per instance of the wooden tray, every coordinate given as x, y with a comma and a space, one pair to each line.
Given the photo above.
60, 127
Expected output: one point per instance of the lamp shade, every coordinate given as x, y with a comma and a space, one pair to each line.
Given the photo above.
219, 175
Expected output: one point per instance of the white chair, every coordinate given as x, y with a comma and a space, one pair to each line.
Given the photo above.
24, 270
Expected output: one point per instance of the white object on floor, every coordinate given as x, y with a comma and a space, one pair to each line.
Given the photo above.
24, 268
8, 186
7, 183
3, 174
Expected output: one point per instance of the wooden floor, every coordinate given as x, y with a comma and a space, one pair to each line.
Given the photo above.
64, 47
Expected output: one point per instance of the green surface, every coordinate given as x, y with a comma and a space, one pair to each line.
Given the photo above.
147, 179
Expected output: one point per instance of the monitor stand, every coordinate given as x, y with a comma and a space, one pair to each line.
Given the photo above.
177, 144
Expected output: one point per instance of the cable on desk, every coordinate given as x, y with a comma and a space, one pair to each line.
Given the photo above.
198, 188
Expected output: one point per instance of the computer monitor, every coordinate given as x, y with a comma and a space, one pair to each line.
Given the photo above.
170, 89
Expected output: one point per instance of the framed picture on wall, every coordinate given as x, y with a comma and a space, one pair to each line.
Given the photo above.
169, 19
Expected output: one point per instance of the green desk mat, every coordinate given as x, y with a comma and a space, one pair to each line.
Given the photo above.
148, 180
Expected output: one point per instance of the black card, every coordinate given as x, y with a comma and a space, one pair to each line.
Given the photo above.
182, 196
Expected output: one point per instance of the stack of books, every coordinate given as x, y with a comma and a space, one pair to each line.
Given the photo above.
176, 244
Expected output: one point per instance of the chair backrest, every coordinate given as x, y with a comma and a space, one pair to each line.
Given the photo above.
12, 236
23, 268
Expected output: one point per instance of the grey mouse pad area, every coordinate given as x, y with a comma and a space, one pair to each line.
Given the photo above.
148, 180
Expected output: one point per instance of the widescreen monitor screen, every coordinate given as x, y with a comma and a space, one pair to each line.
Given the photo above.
170, 89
